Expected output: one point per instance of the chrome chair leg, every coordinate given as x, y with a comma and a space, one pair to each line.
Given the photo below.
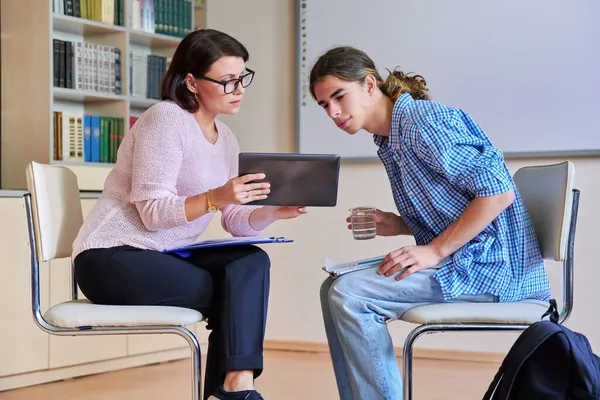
407, 355
407, 351
407, 370
196, 362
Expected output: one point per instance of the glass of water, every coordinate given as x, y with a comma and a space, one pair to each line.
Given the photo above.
362, 220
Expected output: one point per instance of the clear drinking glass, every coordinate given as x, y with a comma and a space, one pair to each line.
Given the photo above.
363, 224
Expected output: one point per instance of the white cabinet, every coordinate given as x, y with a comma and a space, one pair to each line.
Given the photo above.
30, 356
23, 346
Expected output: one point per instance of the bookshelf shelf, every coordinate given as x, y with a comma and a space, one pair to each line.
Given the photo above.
82, 164
81, 26
137, 102
66, 94
110, 67
152, 39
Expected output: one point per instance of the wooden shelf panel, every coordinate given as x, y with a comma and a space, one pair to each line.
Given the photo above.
138, 102
84, 95
82, 26
36, 31
143, 38
32, 25
82, 164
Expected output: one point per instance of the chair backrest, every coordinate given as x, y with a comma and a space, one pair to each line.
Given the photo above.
547, 191
56, 209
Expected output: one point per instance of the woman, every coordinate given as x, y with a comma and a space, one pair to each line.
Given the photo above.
454, 194
175, 168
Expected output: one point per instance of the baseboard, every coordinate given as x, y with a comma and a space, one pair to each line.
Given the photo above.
56, 374
432, 354
45, 376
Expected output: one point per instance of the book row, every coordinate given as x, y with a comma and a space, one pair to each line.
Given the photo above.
87, 66
81, 137
167, 17
146, 72
106, 11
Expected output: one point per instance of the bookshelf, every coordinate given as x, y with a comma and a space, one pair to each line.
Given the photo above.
83, 66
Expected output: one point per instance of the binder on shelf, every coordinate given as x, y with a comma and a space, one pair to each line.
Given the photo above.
186, 250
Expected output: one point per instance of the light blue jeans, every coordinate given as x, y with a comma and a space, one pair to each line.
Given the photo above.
356, 307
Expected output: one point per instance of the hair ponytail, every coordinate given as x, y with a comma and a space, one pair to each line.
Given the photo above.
398, 83
353, 65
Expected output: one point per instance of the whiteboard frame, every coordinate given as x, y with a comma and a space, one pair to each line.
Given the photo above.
351, 159
298, 86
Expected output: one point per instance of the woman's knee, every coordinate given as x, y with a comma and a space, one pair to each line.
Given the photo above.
253, 267
260, 258
252, 256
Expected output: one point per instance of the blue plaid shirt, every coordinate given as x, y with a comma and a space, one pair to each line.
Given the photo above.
437, 160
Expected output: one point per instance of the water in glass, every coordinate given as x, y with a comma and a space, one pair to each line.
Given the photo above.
363, 224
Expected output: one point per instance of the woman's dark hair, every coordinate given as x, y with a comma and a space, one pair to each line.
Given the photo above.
195, 54
353, 65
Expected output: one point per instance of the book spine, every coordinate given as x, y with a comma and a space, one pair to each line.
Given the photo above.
69, 8
69, 56
78, 66
87, 138
56, 62
77, 8
62, 78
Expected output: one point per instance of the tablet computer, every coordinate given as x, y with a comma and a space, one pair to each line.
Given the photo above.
296, 179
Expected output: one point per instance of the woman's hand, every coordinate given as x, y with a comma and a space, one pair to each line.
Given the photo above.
387, 224
264, 216
413, 258
238, 191
288, 212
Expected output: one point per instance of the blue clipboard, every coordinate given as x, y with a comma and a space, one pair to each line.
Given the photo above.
185, 251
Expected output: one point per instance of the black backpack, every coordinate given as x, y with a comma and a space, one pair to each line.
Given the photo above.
548, 361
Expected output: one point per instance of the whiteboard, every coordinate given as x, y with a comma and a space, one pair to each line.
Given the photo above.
528, 72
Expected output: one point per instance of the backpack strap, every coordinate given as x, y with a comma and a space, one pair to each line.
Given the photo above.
552, 312
528, 342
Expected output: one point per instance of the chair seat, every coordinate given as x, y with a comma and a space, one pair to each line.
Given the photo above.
77, 313
522, 312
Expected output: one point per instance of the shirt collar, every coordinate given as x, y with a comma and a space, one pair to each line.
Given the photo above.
393, 140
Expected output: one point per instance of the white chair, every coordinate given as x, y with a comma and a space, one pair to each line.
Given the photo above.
54, 216
552, 203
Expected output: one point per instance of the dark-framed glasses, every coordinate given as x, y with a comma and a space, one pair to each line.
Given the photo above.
231, 85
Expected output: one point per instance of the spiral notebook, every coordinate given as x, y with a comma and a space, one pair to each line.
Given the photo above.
336, 270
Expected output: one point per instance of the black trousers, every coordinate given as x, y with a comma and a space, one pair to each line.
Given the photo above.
229, 285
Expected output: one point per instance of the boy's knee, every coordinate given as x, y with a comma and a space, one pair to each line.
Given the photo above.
359, 286
324, 291
345, 286
349, 283
335, 291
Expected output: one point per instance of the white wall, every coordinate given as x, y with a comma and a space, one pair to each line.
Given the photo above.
266, 123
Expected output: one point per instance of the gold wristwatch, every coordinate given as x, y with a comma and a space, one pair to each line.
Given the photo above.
209, 205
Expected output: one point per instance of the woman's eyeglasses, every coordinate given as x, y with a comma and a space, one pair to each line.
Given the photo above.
231, 85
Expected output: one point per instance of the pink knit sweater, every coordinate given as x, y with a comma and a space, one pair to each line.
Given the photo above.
163, 159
